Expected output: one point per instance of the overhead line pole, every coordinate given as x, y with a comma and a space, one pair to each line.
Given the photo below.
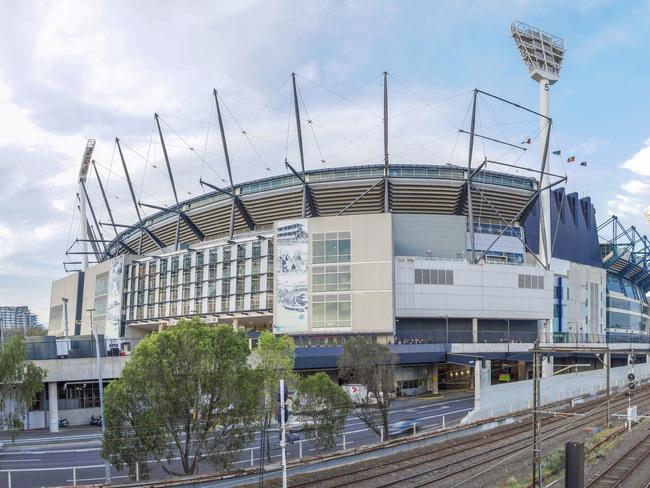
537, 421
171, 179
468, 189
300, 147
135, 202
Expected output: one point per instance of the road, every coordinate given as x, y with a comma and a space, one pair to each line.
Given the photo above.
31, 465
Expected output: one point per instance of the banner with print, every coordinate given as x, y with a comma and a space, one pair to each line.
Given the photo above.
291, 279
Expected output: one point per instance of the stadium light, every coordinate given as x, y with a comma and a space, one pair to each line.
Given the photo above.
543, 53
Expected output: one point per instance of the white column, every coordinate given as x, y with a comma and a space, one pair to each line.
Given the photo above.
53, 400
83, 234
477, 385
434, 379
547, 367
545, 197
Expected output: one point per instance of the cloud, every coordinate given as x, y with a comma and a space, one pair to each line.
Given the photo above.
632, 202
640, 162
635, 186
589, 147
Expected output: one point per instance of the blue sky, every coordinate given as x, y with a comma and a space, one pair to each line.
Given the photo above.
72, 70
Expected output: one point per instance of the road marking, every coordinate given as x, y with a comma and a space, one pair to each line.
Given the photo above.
23, 461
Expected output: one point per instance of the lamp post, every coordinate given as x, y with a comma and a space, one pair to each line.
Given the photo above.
107, 465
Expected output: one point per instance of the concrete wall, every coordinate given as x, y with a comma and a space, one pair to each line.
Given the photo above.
495, 400
580, 314
79, 369
63, 288
371, 267
478, 291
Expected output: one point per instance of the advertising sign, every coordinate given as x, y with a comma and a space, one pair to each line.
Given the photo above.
291, 281
114, 299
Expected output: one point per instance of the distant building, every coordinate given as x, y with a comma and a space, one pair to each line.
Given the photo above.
17, 317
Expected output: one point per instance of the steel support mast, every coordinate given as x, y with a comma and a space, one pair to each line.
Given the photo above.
305, 188
386, 160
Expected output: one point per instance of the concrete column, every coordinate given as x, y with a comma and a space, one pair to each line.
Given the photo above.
474, 330
434, 379
477, 385
235, 323
53, 397
547, 367
521, 371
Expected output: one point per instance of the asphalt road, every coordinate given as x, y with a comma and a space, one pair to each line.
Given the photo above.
30, 466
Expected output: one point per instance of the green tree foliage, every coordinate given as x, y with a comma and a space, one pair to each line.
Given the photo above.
186, 392
372, 365
20, 383
273, 359
322, 406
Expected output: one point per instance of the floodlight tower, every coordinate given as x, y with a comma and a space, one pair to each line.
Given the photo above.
83, 177
543, 53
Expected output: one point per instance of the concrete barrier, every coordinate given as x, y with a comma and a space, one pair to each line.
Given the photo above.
496, 400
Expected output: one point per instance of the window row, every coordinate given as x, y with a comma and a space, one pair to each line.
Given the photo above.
531, 281
434, 277
331, 247
331, 278
331, 311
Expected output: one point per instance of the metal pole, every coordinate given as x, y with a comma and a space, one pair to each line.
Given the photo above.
300, 148
508, 322
65, 317
226, 155
100, 381
283, 439
171, 179
386, 202
135, 202
536, 416
608, 365
108, 207
468, 189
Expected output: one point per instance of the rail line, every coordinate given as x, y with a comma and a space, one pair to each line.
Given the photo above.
374, 472
621, 469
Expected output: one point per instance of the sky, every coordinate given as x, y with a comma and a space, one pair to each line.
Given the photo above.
74, 70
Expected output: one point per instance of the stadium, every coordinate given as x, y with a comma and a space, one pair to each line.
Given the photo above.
445, 263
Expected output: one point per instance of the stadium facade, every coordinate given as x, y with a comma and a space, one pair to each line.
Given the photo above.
406, 276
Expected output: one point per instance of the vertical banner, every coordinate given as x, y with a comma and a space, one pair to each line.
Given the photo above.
292, 250
114, 299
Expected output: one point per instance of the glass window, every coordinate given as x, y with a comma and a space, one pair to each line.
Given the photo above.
101, 284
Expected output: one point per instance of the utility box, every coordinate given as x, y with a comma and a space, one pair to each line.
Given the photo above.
574, 465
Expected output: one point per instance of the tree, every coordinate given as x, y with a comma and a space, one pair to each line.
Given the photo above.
187, 392
20, 383
273, 359
372, 365
323, 406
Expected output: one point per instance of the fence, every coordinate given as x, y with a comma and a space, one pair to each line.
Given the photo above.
249, 457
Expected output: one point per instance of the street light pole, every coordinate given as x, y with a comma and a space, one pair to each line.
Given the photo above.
107, 465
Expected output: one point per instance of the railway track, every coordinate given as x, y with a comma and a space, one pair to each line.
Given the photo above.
620, 470
444, 456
